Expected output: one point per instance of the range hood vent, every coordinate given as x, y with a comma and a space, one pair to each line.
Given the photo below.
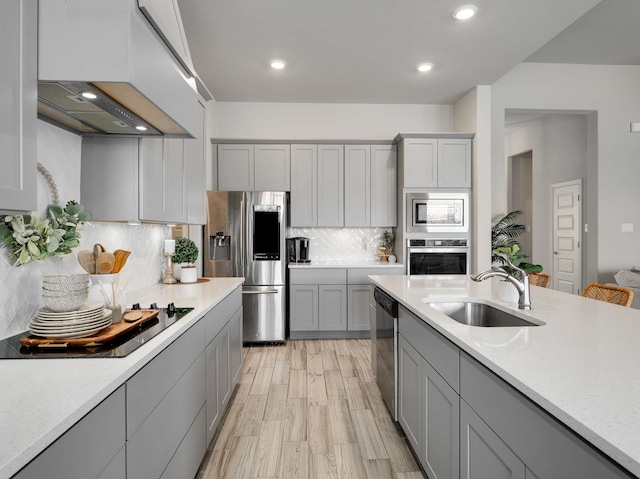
115, 77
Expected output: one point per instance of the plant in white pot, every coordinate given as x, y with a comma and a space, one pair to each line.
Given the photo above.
184, 261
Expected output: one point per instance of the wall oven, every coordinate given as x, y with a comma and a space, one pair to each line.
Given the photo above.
435, 212
437, 256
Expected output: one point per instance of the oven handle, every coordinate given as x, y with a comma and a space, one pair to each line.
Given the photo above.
439, 250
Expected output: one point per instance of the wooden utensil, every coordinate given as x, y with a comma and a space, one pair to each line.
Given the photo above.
121, 258
105, 262
87, 260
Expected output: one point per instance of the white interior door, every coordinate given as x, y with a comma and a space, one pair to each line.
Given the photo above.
567, 236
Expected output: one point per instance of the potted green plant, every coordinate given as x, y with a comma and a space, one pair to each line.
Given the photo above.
387, 239
184, 261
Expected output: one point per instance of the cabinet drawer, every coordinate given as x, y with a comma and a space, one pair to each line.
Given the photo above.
86, 449
152, 383
545, 445
151, 447
318, 276
219, 316
435, 348
186, 461
361, 275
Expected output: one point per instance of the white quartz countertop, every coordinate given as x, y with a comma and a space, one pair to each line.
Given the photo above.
582, 366
345, 264
43, 398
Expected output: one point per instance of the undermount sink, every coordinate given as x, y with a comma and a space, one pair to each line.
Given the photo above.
481, 315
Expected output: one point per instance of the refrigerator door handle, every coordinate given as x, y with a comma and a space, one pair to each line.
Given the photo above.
264, 291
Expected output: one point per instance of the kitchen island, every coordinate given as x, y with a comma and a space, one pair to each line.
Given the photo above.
43, 398
581, 366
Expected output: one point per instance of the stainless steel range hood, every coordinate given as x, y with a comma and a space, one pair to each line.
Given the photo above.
104, 70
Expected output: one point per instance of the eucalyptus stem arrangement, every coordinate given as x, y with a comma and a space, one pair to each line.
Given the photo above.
31, 239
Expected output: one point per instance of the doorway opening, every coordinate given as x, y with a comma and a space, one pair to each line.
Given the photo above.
520, 195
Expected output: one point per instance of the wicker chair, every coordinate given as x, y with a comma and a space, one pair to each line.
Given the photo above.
540, 279
608, 293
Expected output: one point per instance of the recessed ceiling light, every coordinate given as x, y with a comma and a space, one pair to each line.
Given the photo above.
278, 64
465, 12
425, 67
89, 95
141, 128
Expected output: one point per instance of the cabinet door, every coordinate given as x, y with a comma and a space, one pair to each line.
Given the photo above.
330, 185
411, 395
420, 162
482, 452
272, 168
18, 84
162, 180
441, 428
357, 185
332, 307
235, 167
213, 408
303, 307
235, 347
194, 172
359, 298
384, 181
454, 163
224, 376
304, 185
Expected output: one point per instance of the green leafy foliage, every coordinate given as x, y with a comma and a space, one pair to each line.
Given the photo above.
387, 239
515, 255
31, 239
186, 251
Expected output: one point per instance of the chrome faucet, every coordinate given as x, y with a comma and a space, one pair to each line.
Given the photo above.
521, 283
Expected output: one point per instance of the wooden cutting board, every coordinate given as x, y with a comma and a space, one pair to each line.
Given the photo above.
102, 337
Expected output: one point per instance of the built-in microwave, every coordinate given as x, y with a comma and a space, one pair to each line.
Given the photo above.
436, 212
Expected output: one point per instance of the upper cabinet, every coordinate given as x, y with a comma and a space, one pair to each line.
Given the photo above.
18, 35
246, 167
148, 179
304, 185
432, 162
330, 185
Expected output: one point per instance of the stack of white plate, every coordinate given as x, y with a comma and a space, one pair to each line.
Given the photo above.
89, 319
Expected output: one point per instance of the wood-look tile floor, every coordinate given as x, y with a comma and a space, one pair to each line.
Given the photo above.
309, 409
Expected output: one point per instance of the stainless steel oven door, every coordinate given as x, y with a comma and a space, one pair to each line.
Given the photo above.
437, 260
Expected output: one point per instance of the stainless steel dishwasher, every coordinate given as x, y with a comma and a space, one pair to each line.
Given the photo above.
386, 339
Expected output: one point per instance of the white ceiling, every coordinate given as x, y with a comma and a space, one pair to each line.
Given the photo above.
366, 51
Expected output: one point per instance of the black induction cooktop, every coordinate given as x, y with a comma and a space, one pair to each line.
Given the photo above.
10, 348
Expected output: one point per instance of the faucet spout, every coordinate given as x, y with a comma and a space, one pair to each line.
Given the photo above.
522, 285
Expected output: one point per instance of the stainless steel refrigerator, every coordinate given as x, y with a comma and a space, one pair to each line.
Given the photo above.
245, 236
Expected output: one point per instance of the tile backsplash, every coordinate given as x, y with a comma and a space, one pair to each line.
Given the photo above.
341, 244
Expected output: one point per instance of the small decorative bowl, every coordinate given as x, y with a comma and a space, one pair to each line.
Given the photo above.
63, 304
73, 279
69, 292
63, 288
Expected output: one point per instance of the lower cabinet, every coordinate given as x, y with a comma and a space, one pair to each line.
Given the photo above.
463, 421
428, 411
93, 448
482, 453
359, 297
332, 307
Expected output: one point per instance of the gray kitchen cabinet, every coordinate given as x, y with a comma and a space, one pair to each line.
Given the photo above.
304, 185
18, 121
330, 185
194, 172
359, 298
436, 162
162, 184
246, 167
223, 333
384, 174
545, 446
92, 448
303, 307
357, 185
428, 411
482, 453
332, 307
131, 179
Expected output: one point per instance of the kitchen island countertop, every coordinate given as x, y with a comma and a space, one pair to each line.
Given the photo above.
43, 398
581, 366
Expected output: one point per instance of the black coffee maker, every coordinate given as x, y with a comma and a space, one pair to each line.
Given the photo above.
299, 250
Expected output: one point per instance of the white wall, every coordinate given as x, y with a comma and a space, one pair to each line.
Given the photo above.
322, 121
612, 92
